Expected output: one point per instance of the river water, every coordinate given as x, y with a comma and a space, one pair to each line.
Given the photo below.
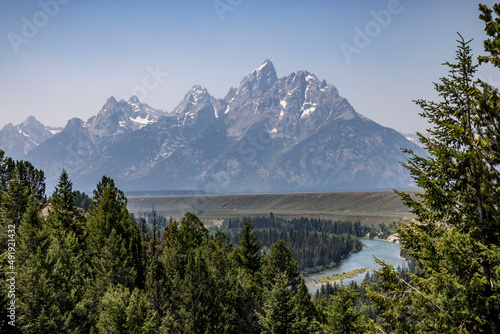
383, 250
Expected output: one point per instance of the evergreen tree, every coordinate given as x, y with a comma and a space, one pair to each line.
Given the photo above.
455, 237
280, 261
7, 166
52, 282
82, 201
14, 203
32, 177
277, 316
158, 288
247, 255
123, 312
112, 250
63, 212
304, 311
111, 236
199, 285
343, 317
492, 29
23, 171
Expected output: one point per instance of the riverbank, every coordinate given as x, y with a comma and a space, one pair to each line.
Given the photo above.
340, 277
386, 251
392, 239
321, 271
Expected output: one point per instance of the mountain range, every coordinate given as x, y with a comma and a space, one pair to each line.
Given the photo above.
270, 134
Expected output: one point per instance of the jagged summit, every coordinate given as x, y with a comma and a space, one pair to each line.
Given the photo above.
266, 66
17, 140
259, 80
110, 103
133, 100
197, 93
30, 120
74, 123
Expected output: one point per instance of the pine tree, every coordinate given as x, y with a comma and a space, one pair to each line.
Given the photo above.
51, 283
122, 311
343, 317
492, 29
63, 212
33, 178
23, 171
158, 288
14, 203
247, 255
7, 166
277, 316
455, 236
280, 261
112, 254
304, 311
111, 236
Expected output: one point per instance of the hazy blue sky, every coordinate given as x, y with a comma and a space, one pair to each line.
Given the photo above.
63, 59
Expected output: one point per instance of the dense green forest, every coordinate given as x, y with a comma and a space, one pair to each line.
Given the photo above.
304, 223
315, 244
105, 271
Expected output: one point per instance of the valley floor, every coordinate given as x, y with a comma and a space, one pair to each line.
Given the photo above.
370, 208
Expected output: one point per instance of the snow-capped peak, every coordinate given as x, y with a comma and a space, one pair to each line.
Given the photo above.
266, 63
259, 80
197, 93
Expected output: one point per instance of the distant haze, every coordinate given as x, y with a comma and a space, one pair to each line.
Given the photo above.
63, 59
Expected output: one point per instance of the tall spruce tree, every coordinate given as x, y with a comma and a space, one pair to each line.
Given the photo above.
112, 245
455, 236
304, 310
14, 203
277, 316
280, 261
247, 255
51, 283
492, 29
343, 317
249, 261
63, 212
111, 234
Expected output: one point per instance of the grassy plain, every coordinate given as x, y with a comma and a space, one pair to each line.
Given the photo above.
369, 208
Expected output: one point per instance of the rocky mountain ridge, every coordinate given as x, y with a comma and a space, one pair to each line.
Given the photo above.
270, 134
